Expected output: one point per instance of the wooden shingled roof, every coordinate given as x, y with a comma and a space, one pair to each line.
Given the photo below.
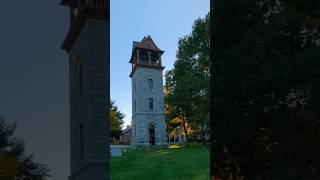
146, 43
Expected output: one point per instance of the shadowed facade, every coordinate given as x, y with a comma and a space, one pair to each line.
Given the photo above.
87, 43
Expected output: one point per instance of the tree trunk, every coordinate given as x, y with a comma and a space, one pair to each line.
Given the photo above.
180, 136
185, 132
234, 169
203, 135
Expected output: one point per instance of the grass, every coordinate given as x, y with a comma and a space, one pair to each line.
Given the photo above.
174, 163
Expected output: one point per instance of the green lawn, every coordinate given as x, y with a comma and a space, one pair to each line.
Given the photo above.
177, 162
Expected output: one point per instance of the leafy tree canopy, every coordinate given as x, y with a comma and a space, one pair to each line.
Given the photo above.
265, 89
187, 84
116, 121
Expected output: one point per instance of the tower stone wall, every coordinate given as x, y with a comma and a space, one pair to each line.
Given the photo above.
89, 109
87, 43
142, 115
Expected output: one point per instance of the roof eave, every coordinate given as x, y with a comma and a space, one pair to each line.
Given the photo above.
157, 50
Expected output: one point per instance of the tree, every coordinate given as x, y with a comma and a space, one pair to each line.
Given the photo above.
116, 121
264, 74
188, 82
14, 164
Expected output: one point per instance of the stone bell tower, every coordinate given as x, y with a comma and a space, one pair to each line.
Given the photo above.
87, 43
148, 120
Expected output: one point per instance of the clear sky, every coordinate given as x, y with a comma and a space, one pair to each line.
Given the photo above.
164, 20
34, 79
34, 82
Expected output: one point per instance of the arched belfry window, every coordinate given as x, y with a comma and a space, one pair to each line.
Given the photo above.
150, 84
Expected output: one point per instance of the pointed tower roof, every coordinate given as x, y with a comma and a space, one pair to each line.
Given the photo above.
146, 43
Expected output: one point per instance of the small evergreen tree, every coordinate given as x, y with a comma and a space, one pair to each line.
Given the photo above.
14, 164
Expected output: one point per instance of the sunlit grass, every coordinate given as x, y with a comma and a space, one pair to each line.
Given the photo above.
163, 152
175, 146
175, 162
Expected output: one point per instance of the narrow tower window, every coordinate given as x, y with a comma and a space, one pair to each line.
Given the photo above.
81, 81
81, 141
150, 84
151, 103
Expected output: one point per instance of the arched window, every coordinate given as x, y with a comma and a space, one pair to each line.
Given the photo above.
150, 84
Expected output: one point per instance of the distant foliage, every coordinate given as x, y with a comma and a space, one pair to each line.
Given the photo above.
14, 164
187, 84
116, 121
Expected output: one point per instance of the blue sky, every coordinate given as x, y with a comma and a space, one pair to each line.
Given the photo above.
165, 20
